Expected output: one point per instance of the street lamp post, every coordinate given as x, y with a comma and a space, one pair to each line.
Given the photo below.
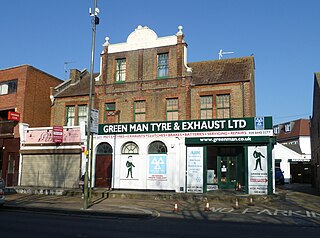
95, 21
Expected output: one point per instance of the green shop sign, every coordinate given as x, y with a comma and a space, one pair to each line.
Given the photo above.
231, 124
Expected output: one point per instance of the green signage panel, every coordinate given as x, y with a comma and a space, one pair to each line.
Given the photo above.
227, 140
230, 124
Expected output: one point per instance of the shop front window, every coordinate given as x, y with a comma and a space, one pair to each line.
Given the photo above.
212, 175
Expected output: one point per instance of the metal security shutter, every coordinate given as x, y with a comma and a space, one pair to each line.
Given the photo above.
51, 170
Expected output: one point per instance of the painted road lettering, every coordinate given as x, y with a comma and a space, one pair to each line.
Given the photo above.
269, 212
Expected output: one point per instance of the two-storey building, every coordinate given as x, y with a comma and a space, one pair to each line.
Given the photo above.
166, 124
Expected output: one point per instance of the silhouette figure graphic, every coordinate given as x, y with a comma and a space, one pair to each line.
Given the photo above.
258, 155
129, 165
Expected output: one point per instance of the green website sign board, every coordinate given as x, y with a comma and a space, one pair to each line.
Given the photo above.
230, 124
227, 140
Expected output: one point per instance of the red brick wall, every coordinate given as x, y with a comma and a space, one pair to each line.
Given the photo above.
32, 99
58, 110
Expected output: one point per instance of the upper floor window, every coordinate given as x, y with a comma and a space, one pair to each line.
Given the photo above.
276, 130
162, 65
223, 106
82, 114
121, 70
76, 114
172, 109
110, 113
287, 127
8, 87
139, 111
70, 115
206, 107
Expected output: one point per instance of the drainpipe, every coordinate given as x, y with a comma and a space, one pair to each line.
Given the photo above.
243, 99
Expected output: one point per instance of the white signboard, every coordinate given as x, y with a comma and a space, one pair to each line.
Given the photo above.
195, 169
258, 170
94, 121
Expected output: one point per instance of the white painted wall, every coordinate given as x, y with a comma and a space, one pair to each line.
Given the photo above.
305, 145
175, 166
285, 154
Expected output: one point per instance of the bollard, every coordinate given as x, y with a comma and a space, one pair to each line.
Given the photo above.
176, 208
238, 186
207, 207
250, 201
236, 206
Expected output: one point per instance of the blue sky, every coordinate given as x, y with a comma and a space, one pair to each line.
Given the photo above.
283, 35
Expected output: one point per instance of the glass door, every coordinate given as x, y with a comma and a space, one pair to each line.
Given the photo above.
227, 171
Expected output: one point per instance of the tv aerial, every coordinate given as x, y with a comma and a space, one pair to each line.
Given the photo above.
66, 69
221, 53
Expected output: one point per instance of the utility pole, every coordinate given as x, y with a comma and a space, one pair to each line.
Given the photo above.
95, 21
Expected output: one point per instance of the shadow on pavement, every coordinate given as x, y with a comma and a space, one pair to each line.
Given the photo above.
301, 188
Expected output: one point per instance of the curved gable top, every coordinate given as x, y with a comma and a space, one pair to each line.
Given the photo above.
142, 35
141, 38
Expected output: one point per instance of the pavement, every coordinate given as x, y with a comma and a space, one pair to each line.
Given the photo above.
150, 205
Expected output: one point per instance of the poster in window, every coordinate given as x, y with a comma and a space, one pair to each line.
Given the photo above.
258, 170
195, 169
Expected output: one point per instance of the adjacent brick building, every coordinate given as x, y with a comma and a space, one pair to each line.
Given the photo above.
315, 133
70, 99
24, 93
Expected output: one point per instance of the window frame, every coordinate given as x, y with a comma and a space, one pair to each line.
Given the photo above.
159, 146
121, 70
139, 112
104, 148
109, 111
287, 127
84, 117
172, 111
68, 117
133, 150
205, 108
223, 108
162, 65
276, 130
11, 87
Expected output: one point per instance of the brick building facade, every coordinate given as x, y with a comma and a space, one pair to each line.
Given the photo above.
148, 79
25, 90
71, 97
130, 89
315, 133
185, 83
133, 87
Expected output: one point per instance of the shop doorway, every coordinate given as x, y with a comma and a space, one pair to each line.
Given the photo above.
12, 169
103, 172
227, 171
225, 166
